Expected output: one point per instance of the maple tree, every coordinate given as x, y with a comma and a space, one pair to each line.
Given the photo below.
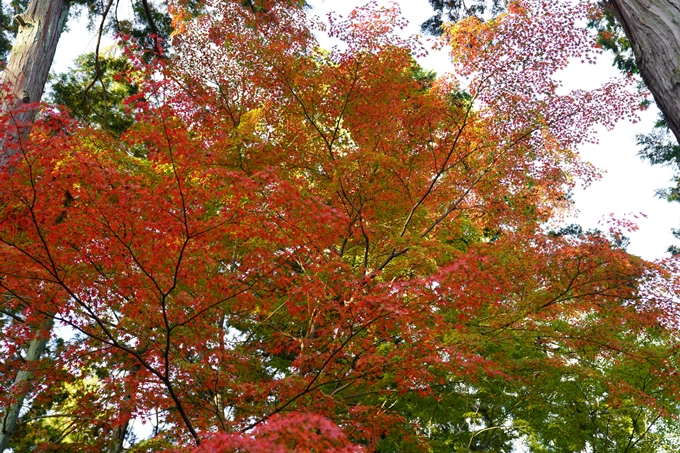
642, 36
299, 250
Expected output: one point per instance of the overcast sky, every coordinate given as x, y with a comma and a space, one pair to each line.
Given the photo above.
628, 185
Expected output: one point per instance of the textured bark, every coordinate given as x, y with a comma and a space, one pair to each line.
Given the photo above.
653, 28
25, 77
30, 60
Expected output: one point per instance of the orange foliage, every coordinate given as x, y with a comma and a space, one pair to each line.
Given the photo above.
312, 232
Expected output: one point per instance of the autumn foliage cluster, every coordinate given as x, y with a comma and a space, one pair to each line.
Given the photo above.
298, 249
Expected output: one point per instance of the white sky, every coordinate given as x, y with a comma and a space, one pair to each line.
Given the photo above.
627, 187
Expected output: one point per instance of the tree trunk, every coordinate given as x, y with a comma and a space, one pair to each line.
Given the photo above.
30, 60
22, 383
119, 432
653, 28
26, 73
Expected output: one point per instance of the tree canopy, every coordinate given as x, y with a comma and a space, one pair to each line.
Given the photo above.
280, 248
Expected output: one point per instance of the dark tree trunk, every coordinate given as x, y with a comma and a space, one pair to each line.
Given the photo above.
653, 28
30, 60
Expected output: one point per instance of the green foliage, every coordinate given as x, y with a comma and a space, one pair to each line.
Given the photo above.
149, 21
565, 409
424, 77
51, 418
455, 10
143, 26
576, 231
138, 27
585, 415
611, 37
96, 101
660, 147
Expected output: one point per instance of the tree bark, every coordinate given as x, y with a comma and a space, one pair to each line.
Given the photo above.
22, 82
29, 62
653, 29
22, 383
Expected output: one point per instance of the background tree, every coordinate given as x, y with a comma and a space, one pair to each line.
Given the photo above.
98, 103
455, 10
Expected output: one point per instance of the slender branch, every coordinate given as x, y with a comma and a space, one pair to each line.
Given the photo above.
156, 38
439, 173
97, 67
